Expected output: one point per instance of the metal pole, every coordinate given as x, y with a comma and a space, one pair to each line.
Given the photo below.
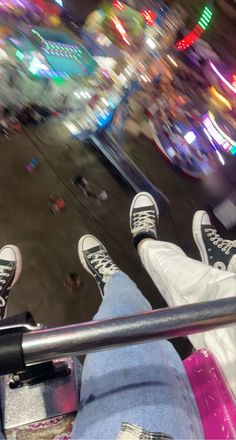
45, 345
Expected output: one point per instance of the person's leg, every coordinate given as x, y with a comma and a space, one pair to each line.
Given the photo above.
146, 384
182, 280
10, 270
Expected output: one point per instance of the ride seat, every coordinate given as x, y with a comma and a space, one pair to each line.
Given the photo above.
215, 401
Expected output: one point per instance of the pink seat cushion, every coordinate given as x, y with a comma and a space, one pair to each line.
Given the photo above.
215, 401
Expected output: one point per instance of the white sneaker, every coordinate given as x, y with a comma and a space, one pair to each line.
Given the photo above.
96, 260
213, 249
144, 216
10, 270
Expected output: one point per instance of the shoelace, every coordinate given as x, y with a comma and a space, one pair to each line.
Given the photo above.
144, 220
103, 263
3, 276
224, 245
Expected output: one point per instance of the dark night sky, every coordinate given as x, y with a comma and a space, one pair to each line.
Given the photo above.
80, 8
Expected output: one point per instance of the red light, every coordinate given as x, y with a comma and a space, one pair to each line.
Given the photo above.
188, 40
234, 80
118, 5
149, 16
197, 31
120, 28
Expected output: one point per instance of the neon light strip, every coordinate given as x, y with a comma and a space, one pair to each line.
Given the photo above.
215, 134
199, 29
121, 30
214, 92
212, 118
118, 5
227, 83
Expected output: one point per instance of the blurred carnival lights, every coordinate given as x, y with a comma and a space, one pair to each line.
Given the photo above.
171, 59
223, 79
214, 92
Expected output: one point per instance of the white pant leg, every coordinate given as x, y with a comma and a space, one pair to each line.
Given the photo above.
182, 280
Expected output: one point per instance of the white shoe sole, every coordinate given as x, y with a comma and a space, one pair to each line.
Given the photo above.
134, 201
197, 235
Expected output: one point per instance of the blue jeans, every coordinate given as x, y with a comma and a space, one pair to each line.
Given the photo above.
145, 384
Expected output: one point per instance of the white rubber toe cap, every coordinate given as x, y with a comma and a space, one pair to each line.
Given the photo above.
88, 242
143, 200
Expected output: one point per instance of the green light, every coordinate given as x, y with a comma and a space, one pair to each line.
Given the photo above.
33, 70
208, 11
205, 17
233, 150
204, 21
34, 66
203, 26
20, 55
59, 81
208, 16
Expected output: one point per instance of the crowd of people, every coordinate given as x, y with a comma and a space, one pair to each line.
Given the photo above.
12, 119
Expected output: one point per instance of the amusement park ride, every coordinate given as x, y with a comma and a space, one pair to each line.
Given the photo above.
43, 372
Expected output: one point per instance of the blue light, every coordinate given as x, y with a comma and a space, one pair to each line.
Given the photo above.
59, 2
103, 119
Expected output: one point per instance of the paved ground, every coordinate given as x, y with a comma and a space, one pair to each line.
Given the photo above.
49, 244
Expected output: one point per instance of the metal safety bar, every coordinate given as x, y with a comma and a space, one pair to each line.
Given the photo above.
49, 344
